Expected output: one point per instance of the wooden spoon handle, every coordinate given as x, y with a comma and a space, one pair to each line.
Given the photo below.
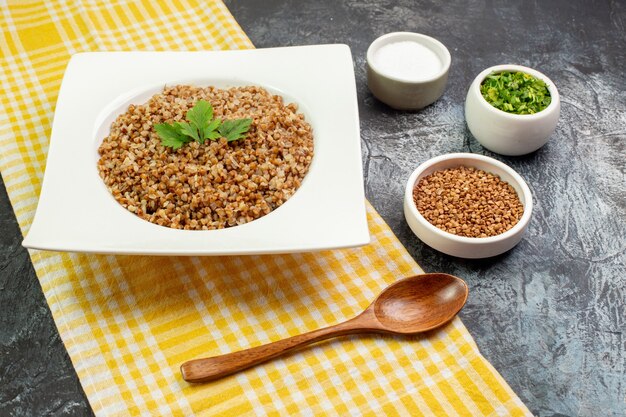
209, 369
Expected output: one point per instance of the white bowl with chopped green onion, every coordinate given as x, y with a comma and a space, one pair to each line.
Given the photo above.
512, 109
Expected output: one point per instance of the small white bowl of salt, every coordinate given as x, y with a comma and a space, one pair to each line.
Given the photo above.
406, 70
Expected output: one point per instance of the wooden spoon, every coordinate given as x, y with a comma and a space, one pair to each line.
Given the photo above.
412, 305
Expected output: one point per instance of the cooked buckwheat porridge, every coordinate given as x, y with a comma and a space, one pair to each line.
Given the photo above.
213, 185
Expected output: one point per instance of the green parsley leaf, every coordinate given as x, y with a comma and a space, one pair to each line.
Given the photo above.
210, 132
189, 130
515, 92
200, 127
200, 114
234, 129
170, 135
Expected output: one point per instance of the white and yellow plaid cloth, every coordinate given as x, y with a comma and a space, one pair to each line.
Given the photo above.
128, 322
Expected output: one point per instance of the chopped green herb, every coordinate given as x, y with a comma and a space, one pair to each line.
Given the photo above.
200, 127
515, 92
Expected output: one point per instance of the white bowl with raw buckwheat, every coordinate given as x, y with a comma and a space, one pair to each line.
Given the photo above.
467, 205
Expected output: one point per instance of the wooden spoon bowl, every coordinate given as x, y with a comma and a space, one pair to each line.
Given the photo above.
420, 303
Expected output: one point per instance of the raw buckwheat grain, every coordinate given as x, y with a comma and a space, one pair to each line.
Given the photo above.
468, 202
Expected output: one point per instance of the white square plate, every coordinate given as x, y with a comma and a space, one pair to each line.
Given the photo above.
77, 213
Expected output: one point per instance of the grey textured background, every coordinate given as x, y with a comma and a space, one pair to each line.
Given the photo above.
549, 314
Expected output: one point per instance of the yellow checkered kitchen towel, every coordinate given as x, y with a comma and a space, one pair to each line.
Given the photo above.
128, 322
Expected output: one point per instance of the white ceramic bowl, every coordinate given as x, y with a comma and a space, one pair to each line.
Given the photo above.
403, 94
507, 133
461, 246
